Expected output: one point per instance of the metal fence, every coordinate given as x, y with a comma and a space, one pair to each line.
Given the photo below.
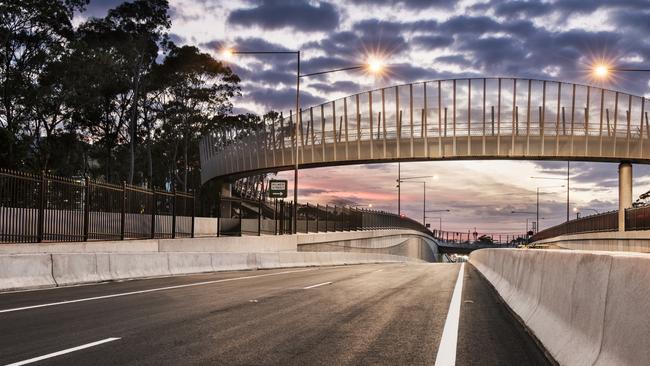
635, 219
469, 237
239, 216
46, 208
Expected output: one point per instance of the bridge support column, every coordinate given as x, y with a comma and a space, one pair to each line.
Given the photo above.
624, 192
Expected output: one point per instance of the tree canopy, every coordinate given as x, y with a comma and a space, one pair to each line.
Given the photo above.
112, 98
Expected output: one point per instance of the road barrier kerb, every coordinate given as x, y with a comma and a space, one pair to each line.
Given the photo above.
586, 308
26, 271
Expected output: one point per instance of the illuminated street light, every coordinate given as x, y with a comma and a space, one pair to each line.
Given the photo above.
601, 71
604, 71
374, 65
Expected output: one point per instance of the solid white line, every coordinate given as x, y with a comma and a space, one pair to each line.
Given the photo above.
150, 290
59, 353
317, 285
447, 350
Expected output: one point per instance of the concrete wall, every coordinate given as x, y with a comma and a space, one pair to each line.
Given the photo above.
621, 241
57, 264
587, 308
28, 271
233, 244
399, 242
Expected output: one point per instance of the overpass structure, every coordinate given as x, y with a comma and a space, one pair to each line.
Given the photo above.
487, 118
456, 119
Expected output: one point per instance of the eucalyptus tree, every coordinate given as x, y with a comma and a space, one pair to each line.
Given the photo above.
33, 35
198, 93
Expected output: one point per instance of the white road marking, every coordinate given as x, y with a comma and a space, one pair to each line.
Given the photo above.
59, 353
151, 290
379, 270
447, 350
317, 285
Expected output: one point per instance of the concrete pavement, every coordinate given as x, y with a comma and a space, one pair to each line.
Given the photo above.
391, 314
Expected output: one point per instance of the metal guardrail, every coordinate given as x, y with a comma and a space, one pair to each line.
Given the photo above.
635, 219
46, 208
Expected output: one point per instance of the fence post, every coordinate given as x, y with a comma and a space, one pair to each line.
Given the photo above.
174, 213
123, 211
41, 208
153, 213
86, 207
193, 212
326, 217
259, 217
241, 213
307, 219
219, 215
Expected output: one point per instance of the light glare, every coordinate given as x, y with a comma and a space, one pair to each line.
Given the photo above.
601, 71
375, 65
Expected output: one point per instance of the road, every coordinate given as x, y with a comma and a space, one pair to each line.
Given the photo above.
391, 314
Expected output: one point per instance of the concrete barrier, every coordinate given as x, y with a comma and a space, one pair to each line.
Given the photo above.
26, 271
181, 263
586, 308
126, 265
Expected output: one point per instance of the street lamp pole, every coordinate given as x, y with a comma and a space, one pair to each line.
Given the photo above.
375, 67
439, 217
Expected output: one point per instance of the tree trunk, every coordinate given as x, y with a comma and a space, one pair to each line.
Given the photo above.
186, 164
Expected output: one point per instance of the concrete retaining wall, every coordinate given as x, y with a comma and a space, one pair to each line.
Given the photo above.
626, 241
24, 271
587, 308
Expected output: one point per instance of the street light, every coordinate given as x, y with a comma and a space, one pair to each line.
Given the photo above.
537, 215
603, 71
437, 217
424, 197
374, 65
568, 186
527, 219
577, 211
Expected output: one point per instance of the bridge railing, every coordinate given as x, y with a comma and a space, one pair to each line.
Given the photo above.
635, 219
582, 121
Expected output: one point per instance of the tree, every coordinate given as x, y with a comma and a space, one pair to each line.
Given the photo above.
197, 96
33, 35
123, 46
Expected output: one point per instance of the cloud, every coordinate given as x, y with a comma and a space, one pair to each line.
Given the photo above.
305, 16
282, 99
411, 4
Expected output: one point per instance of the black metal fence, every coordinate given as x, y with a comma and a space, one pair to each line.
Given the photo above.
239, 216
635, 219
45, 208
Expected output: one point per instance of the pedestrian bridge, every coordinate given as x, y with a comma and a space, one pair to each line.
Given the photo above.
484, 118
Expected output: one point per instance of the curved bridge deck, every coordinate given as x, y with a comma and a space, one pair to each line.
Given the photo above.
445, 119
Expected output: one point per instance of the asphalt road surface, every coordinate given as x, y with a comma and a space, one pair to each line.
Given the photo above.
390, 314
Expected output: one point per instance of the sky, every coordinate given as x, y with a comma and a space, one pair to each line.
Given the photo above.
427, 40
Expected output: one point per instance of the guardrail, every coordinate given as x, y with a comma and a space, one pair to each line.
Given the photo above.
635, 219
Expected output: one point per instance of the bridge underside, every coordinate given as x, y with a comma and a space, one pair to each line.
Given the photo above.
246, 160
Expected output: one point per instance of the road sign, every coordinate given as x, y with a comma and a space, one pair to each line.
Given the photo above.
278, 189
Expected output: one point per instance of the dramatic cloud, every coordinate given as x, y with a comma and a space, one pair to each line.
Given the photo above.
299, 15
425, 40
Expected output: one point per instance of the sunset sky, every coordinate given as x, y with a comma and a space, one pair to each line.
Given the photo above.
428, 40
